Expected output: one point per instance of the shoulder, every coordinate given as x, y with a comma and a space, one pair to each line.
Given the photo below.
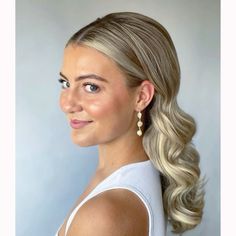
113, 212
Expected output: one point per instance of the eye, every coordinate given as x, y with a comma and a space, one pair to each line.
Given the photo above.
64, 84
91, 88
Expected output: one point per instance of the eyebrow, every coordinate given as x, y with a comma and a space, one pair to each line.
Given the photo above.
91, 76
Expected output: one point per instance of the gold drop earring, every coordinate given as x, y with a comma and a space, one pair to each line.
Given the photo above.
139, 124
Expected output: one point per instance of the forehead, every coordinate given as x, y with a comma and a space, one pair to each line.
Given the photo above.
79, 60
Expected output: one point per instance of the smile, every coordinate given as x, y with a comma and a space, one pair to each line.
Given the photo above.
77, 124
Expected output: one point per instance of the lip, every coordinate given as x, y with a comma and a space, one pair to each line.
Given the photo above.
77, 124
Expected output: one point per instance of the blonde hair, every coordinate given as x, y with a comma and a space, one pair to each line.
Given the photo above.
143, 49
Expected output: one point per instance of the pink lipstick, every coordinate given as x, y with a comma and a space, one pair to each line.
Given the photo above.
77, 124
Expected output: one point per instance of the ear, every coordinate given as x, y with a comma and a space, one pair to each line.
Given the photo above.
145, 94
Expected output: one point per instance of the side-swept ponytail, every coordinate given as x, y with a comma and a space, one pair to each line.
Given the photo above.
167, 142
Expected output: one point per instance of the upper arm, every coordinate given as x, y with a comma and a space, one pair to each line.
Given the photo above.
110, 214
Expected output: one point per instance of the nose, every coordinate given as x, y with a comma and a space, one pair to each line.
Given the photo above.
70, 101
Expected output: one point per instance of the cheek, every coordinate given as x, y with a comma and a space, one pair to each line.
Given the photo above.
99, 109
110, 110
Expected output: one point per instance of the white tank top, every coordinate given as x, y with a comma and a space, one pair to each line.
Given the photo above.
143, 179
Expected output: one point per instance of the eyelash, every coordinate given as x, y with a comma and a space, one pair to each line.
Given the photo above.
62, 81
92, 84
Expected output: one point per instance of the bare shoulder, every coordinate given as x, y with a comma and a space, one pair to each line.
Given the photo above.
113, 212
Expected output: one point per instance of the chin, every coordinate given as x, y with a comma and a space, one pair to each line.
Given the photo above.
82, 142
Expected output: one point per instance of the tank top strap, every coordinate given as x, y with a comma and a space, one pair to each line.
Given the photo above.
114, 181
136, 191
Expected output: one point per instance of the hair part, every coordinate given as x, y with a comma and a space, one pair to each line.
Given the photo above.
143, 49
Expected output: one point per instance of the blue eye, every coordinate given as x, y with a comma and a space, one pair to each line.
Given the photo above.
64, 84
91, 88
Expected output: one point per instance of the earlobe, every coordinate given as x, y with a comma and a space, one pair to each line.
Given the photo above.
145, 95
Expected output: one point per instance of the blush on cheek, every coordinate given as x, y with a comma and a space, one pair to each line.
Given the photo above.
98, 110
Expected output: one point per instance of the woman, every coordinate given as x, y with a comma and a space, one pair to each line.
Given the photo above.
120, 78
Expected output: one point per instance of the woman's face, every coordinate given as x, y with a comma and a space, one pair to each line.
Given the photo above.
97, 103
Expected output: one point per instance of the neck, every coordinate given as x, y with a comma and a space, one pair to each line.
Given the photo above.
120, 152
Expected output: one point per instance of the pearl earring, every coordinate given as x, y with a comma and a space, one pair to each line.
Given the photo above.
139, 124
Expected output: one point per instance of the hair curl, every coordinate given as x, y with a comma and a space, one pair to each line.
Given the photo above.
144, 50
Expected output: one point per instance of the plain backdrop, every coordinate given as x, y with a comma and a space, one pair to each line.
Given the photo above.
51, 172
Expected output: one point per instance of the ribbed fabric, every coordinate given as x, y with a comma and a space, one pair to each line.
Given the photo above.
142, 179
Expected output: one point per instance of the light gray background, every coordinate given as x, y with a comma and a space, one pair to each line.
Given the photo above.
51, 172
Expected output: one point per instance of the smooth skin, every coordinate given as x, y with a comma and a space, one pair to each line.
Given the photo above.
112, 108
116, 213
